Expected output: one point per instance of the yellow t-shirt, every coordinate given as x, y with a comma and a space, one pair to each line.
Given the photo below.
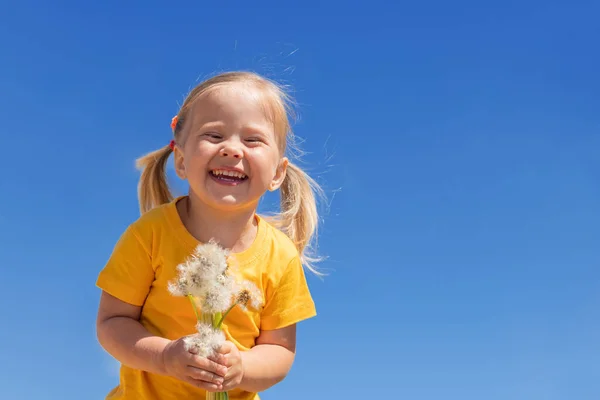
144, 260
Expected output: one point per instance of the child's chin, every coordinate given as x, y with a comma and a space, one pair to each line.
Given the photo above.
229, 201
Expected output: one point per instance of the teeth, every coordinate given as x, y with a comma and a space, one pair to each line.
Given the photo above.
229, 173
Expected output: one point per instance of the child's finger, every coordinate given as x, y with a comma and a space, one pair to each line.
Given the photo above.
226, 347
206, 364
203, 375
226, 360
219, 358
227, 385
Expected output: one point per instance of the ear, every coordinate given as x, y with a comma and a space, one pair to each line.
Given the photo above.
279, 175
179, 162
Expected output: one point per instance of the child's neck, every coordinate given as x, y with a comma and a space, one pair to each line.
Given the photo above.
235, 231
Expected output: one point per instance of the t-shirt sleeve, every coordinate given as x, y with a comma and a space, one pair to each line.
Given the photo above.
291, 301
128, 274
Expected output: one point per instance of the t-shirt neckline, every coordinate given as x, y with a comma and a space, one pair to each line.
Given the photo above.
254, 251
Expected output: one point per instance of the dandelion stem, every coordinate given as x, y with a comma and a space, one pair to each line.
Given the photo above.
207, 318
194, 306
222, 396
223, 317
216, 319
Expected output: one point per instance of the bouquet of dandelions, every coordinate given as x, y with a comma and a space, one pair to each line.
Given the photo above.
207, 280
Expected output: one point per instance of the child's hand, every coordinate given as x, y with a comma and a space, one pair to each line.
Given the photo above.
195, 370
233, 360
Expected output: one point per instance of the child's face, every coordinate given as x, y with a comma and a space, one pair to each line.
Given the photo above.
227, 133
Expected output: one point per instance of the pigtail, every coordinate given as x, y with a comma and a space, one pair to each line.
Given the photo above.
153, 189
299, 217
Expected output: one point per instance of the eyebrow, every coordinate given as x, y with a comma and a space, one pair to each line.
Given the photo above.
211, 125
255, 130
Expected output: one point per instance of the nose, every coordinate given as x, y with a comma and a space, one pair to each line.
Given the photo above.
231, 149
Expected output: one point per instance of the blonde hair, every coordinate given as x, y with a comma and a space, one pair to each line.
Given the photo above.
298, 217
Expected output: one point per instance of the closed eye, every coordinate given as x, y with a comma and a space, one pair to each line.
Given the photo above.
212, 135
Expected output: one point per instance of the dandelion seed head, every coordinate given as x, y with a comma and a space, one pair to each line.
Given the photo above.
188, 280
243, 298
206, 342
210, 260
178, 287
196, 274
248, 294
217, 295
222, 279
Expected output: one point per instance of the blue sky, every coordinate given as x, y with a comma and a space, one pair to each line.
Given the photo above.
457, 141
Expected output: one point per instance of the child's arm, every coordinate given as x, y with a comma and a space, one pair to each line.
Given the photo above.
268, 363
121, 335
287, 302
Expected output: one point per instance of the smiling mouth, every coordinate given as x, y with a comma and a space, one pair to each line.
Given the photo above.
228, 177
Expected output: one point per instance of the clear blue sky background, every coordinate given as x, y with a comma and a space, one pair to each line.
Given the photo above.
458, 143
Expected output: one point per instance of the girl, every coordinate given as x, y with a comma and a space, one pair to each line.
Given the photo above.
229, 144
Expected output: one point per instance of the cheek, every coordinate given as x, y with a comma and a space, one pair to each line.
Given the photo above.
195, 165
266, 159
199, 155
